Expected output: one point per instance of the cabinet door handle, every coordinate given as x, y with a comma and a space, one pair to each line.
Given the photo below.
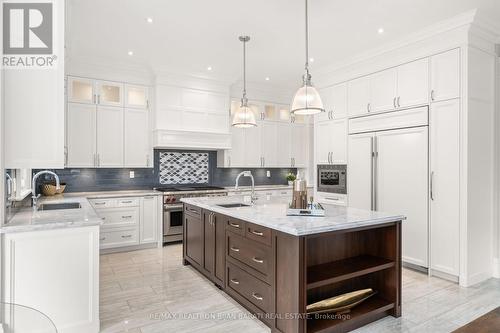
368, 107
94, 99
398, 101
432, 95
235, 249
127, 217
394, 102
257, 260
103, 238
257, 296
235, 281
235, 225
229, 160
127, 202
126, 236
432, 186
258, 233
99, 99
147, 160
98, 159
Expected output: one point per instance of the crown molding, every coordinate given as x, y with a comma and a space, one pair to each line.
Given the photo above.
192, 82
461, 20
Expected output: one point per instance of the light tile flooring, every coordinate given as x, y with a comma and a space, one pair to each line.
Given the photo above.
150, 291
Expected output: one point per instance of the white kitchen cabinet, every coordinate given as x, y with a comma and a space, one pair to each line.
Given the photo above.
81, 90
359, 172
445, 76
401, 186
299, 141
136, 96
238, 149
331, 141
413, 83
149, 220
109, 136
444, 186
269, 143
383, 90
359, 96
283, 113
137, 151
334, 101
331, 198
284, 153
253, 156
109, 93
81, 135
55, 272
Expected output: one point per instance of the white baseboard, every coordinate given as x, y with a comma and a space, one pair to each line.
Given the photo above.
475, 278
496, 268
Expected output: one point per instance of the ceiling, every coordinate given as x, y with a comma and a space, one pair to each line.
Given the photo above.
188, 36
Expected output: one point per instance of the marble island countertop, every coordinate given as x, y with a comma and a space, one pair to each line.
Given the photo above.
28, 219
272, 214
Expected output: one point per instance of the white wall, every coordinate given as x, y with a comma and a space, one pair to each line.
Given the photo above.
496, 226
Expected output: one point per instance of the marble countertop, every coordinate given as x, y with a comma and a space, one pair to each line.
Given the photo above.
29, 220
261, 188
272, 214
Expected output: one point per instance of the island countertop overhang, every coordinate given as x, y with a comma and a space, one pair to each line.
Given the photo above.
272, 214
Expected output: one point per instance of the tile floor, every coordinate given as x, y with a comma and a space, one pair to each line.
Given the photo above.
149, 291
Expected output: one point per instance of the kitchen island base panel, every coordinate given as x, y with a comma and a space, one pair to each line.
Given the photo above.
299, 270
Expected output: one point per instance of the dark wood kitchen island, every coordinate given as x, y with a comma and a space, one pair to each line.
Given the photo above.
275, 265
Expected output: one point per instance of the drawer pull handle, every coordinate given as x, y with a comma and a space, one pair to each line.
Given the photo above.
258, 233
235, 281
257, 296
103, 218
126, 236
103, 238
236, 225
99, 203
128, 201
257, 260
235, 249
127, 217
334, 199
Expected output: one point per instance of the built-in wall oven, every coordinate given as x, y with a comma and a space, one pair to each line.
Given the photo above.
173, 217
332, 178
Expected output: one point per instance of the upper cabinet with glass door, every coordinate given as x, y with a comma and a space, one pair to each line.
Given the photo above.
136, 97
81, 90
109, 93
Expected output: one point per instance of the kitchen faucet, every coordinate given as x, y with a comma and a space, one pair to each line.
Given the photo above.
35, 197
253, 197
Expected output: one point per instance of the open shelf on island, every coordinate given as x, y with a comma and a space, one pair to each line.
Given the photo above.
340, 270
367, 311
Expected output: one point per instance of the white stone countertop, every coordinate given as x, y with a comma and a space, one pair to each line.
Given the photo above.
29, 220
272, 214
261, 188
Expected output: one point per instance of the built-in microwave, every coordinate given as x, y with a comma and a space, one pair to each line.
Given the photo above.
332, 178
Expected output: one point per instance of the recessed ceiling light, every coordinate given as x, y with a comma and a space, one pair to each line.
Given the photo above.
311, 59
209, 68
130, 53
380, 31
267, 78
149, 20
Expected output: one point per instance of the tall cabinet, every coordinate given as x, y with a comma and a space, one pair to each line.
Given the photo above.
107, 124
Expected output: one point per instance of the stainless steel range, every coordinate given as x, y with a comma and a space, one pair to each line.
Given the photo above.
172, 207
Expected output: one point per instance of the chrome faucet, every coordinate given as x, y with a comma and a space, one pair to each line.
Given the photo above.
253, 197
34, 196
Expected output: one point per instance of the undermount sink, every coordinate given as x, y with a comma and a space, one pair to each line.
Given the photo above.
57, 206
233, 205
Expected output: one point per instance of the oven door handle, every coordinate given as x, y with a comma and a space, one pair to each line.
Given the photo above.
170, 208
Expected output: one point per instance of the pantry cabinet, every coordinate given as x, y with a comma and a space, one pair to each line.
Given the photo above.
100, 131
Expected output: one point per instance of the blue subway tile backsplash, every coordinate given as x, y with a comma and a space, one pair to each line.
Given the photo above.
116, 179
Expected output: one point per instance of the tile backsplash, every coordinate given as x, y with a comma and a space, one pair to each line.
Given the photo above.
182, 168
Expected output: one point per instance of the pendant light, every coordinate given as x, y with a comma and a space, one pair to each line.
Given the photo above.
307, 100
244, 116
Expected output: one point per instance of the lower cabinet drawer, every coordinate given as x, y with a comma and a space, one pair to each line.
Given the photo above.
117, 238
119, 217
251, 253
251, 288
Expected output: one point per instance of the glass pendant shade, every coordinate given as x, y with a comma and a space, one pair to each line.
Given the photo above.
307, 101
244, 117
